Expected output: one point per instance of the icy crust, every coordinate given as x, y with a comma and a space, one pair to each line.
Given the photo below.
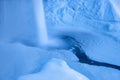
103, 73
55, 69
70, 10
101, 16
97, 46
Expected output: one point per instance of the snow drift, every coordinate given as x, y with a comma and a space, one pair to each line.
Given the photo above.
55, 69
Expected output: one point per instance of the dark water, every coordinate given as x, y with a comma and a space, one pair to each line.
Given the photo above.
74, 45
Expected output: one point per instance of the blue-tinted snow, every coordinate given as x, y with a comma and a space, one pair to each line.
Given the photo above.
95, 24
55, 69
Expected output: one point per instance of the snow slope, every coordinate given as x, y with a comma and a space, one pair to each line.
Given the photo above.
97, 16
17, 59
55, 69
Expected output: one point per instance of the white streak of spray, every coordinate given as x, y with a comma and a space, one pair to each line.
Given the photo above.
116, 6
40, 18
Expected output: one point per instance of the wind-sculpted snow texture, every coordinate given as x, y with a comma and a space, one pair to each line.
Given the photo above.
93, 24
97, 15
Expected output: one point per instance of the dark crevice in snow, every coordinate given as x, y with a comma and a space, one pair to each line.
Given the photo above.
81, 55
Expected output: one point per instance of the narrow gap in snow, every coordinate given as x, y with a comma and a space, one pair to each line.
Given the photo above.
75, 47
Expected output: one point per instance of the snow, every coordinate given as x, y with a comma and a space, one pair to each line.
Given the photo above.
20, 59
55, 69
95, 24
103, 73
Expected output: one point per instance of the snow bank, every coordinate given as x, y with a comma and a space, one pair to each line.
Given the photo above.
17, 59
55, 69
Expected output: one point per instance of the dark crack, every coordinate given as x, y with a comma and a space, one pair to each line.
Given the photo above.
74, 45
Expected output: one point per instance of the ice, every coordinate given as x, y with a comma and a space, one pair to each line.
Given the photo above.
103, 72
116, 6
41, 24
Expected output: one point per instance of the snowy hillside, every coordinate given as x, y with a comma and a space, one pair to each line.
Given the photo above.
55, 70
82, 39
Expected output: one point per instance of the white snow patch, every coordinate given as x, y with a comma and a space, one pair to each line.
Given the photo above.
55, 69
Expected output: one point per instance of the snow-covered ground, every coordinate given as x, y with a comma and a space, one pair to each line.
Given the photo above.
55, 69
95, 24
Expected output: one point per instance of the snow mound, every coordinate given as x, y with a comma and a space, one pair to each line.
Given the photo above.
55, 69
